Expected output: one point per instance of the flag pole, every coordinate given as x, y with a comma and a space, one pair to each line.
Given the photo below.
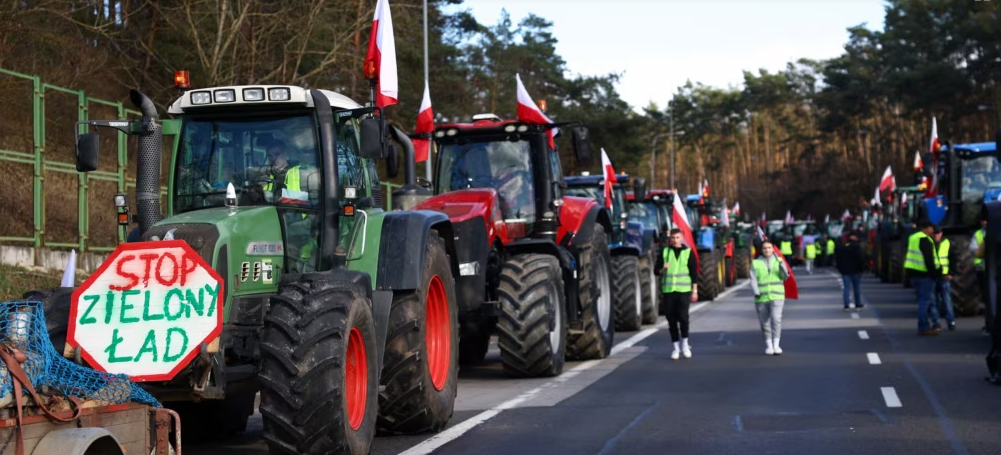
427, 164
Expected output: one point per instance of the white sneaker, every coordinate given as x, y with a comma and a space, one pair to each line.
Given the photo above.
777, 350
769, 351
686, 352
675, 355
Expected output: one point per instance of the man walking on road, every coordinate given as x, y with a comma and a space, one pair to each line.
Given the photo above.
922, 265
811, 255
943, 289
679, 275
850, 261
768, 276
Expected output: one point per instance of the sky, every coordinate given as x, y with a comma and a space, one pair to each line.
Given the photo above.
658, 45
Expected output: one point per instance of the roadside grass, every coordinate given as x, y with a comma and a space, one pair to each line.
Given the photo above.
15, 281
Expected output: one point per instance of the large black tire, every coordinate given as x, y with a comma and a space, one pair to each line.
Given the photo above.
593, 339
965, 288
896, 272
648, 284
708, 275
56, 307
731, 272
627, 293
532, 327
312, 373
420, 366
743, 257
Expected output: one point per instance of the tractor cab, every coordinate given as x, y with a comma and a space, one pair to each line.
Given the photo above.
968, 175
628, 231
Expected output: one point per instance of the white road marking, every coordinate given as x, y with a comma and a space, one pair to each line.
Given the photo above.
863, 334
433, 443
890, 397
873, 358
855, 316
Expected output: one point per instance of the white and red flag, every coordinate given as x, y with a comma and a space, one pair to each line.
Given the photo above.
380, 61
528, 112
934, 144
918, 162
679, 218
705, 188
887, 183
425, 125
736, 208
931, 185
609, 172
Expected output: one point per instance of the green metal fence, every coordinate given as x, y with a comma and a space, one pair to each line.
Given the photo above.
36, 158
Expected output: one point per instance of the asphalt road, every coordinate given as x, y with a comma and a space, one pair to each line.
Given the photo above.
856, 382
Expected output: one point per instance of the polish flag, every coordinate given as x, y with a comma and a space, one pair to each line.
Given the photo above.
425, 125
679, 218
725, 221
736, 208
705, 188
380, 62
606, 166
789, 218
934, 144
887, 183
529, 113
918, 163
875, 199
827, 218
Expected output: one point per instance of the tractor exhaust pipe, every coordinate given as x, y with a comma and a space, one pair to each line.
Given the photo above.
148, 163
409, 165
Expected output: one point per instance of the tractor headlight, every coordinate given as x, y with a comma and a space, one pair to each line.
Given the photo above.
279, 94
522, 128
225, 96
452, 132
509, 128
201, 97
439, 133
120, 200
253, 94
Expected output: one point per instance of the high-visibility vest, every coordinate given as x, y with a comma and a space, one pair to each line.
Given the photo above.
770, 286
291, 180
914, 259
830, 246
677, 278
786, 248
943, 256
811, 251
980, 241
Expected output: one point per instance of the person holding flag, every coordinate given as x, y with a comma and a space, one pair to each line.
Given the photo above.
768, 276
678, 267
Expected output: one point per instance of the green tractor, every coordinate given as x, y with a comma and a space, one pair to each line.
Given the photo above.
342, 315
897, 224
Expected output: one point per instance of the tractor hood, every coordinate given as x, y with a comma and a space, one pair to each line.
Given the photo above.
462, 205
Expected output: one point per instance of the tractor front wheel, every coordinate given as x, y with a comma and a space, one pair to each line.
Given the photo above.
319, 388
648, 284
627, 293
743, 258
420, 367
965, 288
593, 340
708, 275
532, 327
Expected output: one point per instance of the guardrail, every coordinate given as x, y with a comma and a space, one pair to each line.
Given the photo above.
40, 165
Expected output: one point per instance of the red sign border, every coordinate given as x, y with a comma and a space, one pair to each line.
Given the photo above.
74, 300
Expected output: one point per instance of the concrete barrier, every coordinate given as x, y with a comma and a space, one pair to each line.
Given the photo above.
28, 257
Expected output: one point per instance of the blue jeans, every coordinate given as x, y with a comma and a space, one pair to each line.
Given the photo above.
853, 281
942, 302
925, 287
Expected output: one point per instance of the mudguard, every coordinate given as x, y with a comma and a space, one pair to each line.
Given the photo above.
401, 254
468, 204
578, 217
472, 254
707, 240
936, 209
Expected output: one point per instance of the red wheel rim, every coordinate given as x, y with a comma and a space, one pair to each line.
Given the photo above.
438, 333
356, 379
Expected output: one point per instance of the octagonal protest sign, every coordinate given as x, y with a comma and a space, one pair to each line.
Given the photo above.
146, 311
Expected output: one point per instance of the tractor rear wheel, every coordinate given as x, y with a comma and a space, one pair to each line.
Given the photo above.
708, 275
56, 308
421, 362
319, 383
965, 288
594, 339
627, 293
532, 326
648, 284
743, 257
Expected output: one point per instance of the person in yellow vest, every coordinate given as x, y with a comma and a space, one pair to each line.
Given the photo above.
785, 247
768, 276
922, 266
811, 254
830, 252
679, 287
977, 248
943, 289
284, 181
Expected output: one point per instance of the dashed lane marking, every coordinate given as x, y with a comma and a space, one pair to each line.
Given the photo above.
863, 334
891, 398
873, 358
855, 316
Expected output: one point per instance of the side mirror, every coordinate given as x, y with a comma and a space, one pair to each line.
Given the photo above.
373, 141
87, 150
581, 145
639, 188
997, 145
393, 161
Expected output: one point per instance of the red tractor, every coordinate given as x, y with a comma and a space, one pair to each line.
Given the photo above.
534, 263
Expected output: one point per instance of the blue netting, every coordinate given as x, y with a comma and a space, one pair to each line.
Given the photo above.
22, 326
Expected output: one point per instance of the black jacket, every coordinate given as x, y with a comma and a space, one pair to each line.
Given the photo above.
849, 257
693, 269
